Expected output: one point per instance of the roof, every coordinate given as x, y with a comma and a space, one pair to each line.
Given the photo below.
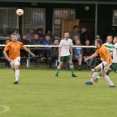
67, 1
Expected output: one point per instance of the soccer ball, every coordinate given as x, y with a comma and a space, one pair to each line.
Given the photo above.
19, 12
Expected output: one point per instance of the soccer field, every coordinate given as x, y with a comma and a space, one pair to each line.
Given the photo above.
41, 94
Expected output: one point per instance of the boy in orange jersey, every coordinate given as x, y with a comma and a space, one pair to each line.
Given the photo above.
14, 55
104, 66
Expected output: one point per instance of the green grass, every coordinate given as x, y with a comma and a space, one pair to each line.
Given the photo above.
40, 94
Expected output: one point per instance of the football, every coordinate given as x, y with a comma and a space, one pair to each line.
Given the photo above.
19, 12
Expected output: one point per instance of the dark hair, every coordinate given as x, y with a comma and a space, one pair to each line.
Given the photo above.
87, 40
39, 29
99, 41
16, 29
75, 27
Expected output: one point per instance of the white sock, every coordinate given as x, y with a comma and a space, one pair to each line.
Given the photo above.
108, 80
17, 75
94, 76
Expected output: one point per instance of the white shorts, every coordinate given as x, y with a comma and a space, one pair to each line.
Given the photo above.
103, 66
15, 62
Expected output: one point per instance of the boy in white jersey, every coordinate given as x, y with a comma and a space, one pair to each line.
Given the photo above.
65, 48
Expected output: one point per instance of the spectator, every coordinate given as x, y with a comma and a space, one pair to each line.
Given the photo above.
54, 53
84, 35
75, 32
109, 40
16, 31
41, 35
86, 53
75, 39
25, 42
7, 64
30, 35
47, 51
8, 37
52, 37
97, 36
78, 54
37, 52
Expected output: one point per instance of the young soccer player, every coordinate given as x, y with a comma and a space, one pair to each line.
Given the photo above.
104, 66
113, 49
65, 48
14, 55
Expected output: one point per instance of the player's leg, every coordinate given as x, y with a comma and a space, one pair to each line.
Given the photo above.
94, 75
60, 65
103, 72
68, 58
17, 72
114, 67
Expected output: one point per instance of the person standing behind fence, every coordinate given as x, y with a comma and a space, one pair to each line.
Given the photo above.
36, 51
84, 35
65, 49
75, 32
14, 55
30, 35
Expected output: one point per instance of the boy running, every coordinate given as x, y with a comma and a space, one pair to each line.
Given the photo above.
14, 55
104, 66
65, 48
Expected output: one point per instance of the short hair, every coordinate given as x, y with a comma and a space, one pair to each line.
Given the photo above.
47, 35
75, 27
99, 41
115, 37
66, 32
16, 29
13, 34
39, 29
87, 40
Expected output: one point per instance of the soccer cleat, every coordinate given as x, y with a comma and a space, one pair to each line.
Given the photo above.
56, 75
16, 82
112, 86
88, 83
73, 75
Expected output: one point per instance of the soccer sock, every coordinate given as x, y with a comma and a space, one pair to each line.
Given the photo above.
17, 75
57, 71
108, 80
94, 76
72, 69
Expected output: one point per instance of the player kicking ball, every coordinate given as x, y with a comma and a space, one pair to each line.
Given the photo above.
65, 53
14, 55
104, 66
114, 56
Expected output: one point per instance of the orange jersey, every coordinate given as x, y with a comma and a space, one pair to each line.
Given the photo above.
104, 54
14, 49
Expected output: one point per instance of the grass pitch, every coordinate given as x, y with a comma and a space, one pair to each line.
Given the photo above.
41, 94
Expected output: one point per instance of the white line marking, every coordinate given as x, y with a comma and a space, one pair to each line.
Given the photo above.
6, 108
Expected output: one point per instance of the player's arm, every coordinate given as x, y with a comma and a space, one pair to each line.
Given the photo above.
71, 51
92, 56
27, 50
59, 51
6, 56
5, 52
109, 46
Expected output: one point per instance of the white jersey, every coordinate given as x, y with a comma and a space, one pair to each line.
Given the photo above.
65, 46
115, 54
